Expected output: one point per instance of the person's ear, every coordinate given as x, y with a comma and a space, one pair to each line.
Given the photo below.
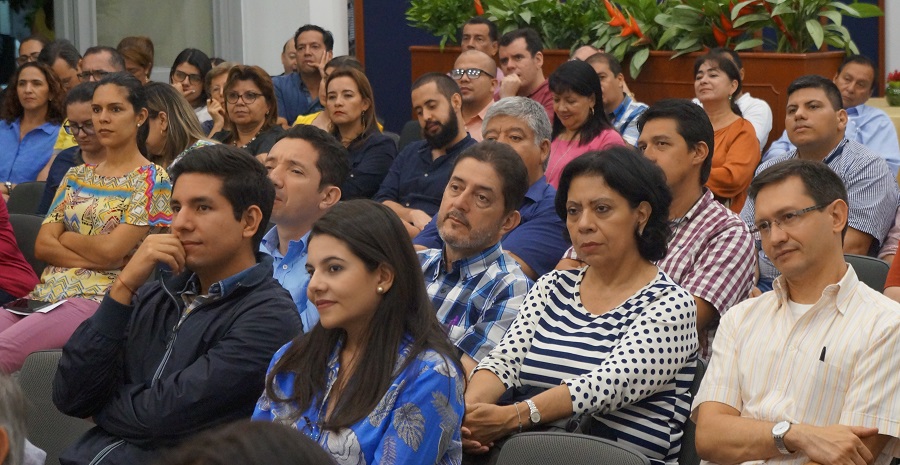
163, 121
842, 119
456, 102
385, 278
700, 152
510, 222
251, 220
545, 151
643, 211
539, 59
142, 116
331, 195
839, 212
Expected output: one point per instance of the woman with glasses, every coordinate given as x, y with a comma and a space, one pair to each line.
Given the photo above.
350, 105
252, 111
30, 121
172, 129
376, 380
188, 75
99, 216
579, 123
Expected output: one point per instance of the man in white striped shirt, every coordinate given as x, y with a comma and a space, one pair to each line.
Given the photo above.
807, 373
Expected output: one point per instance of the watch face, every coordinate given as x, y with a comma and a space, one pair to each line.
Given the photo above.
781, 428
535, 417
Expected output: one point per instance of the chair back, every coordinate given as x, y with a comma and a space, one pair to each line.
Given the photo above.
547, 447
48, 428
26, 197
393, 136
25, 228
411, 132
871, 271
688, 454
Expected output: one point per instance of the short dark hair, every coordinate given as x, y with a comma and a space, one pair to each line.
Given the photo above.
820, 182
509, 168
250, 443
199, 60
81, 93
602, 57
814, 81
634, 177
579, 77
731, 53
532, 40
861, 60
691, 122
492, 27
345, 61
115, 58
60, 48
445, 84
327, 38
333, 160
245, 181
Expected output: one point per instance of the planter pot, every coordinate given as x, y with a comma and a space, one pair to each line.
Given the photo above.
767, 75
892, 94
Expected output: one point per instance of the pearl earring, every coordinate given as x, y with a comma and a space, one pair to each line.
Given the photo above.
380, 290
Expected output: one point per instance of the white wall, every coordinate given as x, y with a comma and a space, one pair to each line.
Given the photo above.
267, 24
892, 36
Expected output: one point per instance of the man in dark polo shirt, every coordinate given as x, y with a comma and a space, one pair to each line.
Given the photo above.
414, 186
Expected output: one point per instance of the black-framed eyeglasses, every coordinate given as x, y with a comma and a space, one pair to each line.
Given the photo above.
31, 57
473, 73
97, 74
248, 97
784, 221
74, 128
179, 76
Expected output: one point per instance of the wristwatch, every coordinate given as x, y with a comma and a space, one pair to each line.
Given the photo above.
534, 415
781, 428
8, 187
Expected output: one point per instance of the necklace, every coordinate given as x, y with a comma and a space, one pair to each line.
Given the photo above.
235, 141
554, 163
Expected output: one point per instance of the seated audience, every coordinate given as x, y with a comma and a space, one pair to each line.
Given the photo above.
415, 183
65, 61
188, 75
375, 379
12, 420
30, 49
248, 443
475, 73
79, 124
172, 128
584, 52
522, 61
350, 105
307, 167
805, 374
189, 351
289, 57
577, 127
870, 126
137, 51
816, 125
215, 105
298, 93
717, 83
475, 287
570, 339
622, 109
17, 278
320, 118
30, 120
710, 252
537, 242
480, 33
100, 214
98, 61
250, 106
754, 110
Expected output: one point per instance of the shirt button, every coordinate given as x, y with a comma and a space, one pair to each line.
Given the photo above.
284, 267
426, 175
407, 204
444, 290
351, 175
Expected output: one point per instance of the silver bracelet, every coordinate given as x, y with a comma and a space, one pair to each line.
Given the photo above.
516, 405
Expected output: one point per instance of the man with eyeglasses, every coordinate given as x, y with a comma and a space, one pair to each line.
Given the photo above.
475, 73
29, 49
98, 61
807, 373
815, 122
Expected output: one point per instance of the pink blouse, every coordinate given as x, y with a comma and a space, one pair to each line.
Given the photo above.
564, 151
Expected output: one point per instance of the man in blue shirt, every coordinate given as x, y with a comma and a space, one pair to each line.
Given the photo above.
307, 166
474, 285
298, 93
623, 109
415, 183
538, 241
867, 125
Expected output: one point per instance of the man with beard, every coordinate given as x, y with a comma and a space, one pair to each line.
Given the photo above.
416, 180
475, 286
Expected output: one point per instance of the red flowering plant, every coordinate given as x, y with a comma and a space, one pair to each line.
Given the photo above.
893, 79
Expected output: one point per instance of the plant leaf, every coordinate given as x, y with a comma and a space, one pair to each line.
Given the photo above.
638, 60
748, 44
867, 10
410, 425
750, 18
814, 27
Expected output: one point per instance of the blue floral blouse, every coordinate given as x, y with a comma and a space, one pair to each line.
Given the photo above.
416, 422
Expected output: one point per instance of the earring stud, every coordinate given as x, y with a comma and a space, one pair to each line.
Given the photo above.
380, 290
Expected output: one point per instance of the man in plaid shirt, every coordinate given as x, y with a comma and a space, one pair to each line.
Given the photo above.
475, 286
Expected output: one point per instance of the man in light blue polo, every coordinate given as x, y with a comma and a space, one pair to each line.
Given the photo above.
307, 166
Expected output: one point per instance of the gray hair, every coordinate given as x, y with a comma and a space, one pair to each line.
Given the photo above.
525, 109
12, 419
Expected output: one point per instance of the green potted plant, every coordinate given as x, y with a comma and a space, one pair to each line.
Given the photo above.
892, 91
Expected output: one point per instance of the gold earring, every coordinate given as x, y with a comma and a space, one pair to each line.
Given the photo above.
380, 290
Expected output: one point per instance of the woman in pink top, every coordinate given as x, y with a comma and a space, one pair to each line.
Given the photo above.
577, 127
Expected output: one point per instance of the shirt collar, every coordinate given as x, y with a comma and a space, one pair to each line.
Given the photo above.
836, 294
48, 127
705, 199
536, 191
271, 242
474, 265
617, 113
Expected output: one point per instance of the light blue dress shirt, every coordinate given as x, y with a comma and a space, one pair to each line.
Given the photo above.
290, 272
867, 125
21, 161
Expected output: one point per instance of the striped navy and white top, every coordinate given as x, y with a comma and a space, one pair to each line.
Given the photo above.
630, 367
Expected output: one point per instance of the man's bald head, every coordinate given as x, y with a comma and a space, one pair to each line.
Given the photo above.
477, 92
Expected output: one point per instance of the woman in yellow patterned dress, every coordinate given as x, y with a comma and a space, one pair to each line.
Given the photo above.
99, 216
